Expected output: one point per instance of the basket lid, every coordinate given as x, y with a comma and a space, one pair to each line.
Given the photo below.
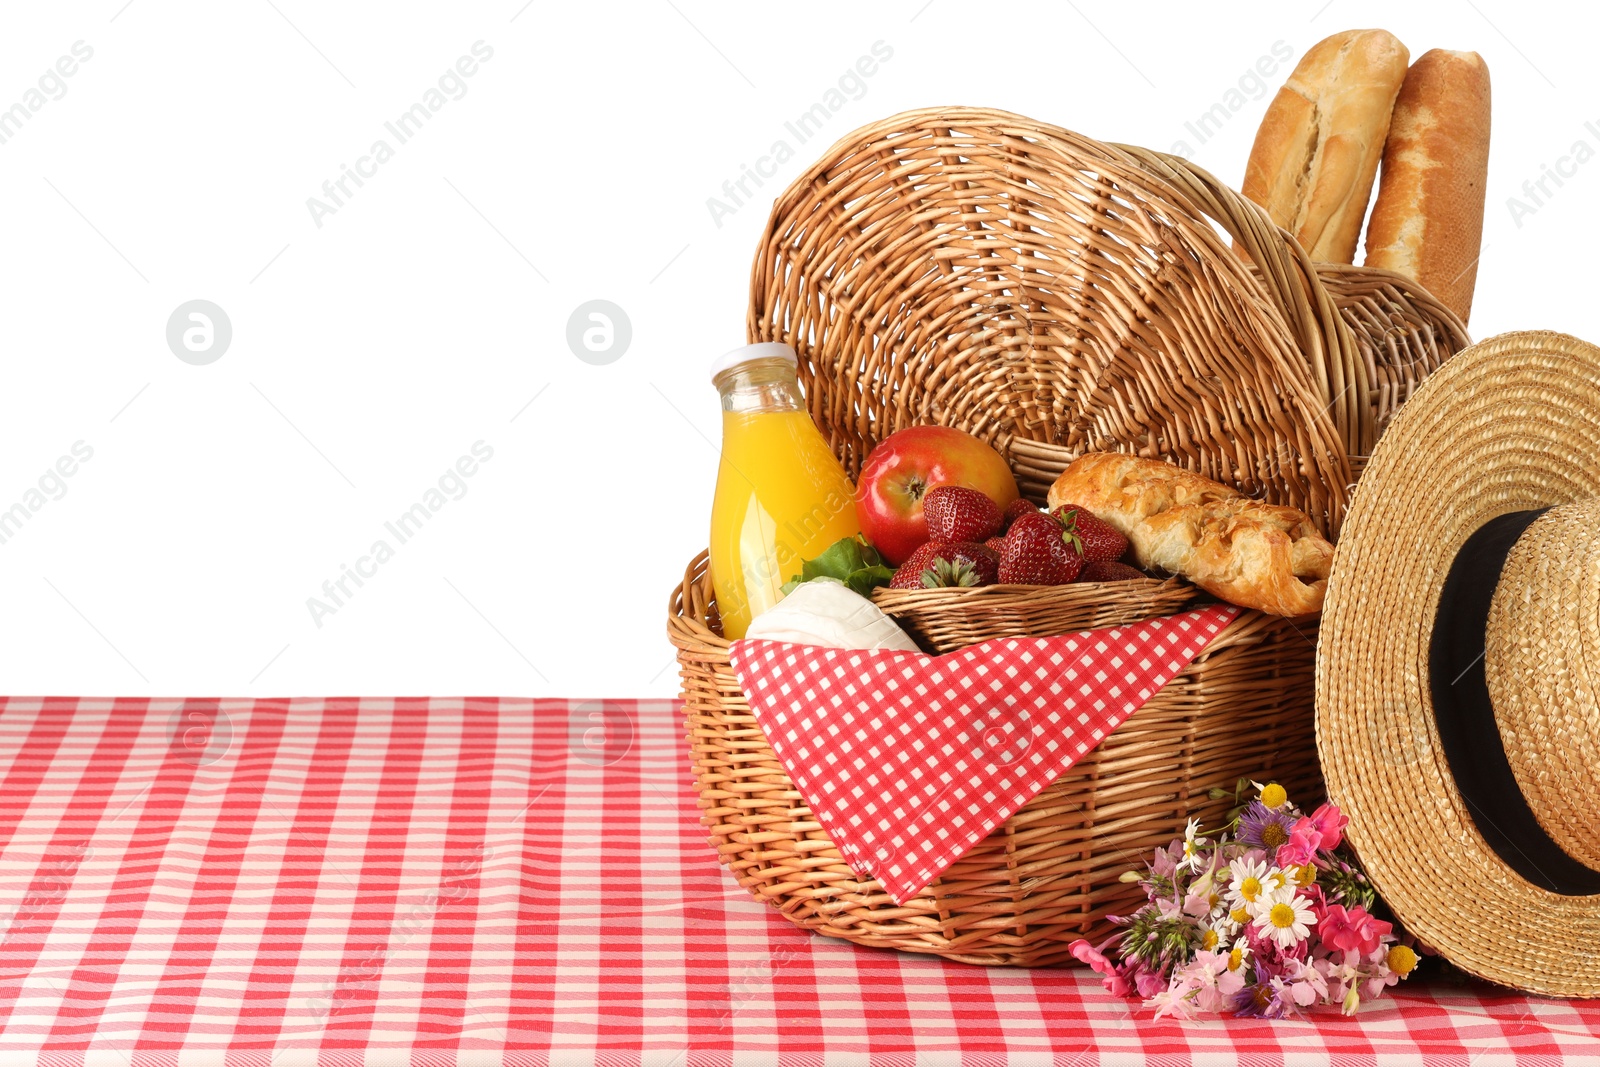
976, 269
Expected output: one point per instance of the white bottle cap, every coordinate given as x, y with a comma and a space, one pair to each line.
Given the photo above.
745, 353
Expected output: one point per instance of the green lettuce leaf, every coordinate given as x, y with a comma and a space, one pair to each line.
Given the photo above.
848, 560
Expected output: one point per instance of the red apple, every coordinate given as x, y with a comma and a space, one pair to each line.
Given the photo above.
907, 464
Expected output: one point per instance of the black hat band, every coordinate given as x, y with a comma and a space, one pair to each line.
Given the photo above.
1465, 715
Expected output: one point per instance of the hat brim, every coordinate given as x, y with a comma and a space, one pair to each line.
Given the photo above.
1510, 424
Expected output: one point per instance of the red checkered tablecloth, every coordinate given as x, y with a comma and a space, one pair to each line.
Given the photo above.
483, 881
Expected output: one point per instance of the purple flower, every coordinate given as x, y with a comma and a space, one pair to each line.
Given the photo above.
1280, 994
1263, 827
1257, 997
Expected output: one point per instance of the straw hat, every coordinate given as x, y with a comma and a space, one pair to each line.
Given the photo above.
1457, 713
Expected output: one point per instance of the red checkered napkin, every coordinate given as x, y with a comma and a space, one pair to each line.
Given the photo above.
909, 760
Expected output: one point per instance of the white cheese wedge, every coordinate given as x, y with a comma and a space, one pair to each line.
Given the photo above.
827, 612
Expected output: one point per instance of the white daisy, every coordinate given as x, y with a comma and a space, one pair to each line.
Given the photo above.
1191, 846
1279, 885
1239, 956
1224, 923
1250, 883
1286, 921
1214, 935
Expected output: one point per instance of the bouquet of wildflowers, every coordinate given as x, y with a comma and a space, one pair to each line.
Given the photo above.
1268, 918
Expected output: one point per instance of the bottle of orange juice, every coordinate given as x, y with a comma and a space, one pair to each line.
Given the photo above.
782, 497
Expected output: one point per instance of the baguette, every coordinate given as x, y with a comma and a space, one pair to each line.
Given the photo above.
1428, 220
1318, 147
1256, 555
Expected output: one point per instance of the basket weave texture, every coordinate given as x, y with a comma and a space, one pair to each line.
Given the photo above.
1053, 295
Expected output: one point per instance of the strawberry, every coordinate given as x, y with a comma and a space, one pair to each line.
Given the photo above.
937, 566
996, 545
909, 576
1102, 571
945, 574
1097, 539
984, 561
956, 513
1016, 508
1038, 553
906, 578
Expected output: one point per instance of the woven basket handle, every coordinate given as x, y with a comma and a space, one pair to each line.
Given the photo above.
1290, 280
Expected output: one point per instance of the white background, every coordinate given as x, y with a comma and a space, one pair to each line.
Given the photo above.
421, 317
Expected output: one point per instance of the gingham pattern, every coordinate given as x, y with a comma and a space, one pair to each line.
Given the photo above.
909, 760
508, 881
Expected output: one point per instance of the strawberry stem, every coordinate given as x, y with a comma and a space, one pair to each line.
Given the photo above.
1069, 530
946, 574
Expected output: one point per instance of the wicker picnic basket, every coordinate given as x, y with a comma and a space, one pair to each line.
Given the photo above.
1054, 295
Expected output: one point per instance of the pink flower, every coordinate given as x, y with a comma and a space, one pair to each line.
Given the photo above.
1117, 984
1166, 860
1149, 983
1202, 985
1212, 970
1373, 987
1301, 848
1375, 971
1216, 999
1087, 953
1320, 831
1113, 977
1307, 984
1352, 929
1173, 1001
1330, 823
1337, 976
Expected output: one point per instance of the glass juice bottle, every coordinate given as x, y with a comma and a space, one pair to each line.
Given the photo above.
781, 496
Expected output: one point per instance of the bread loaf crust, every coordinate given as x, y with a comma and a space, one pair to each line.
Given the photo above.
1428, 220
1256, 555
1317, 150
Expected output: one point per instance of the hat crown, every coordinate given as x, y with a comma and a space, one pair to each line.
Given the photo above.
1541, 651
